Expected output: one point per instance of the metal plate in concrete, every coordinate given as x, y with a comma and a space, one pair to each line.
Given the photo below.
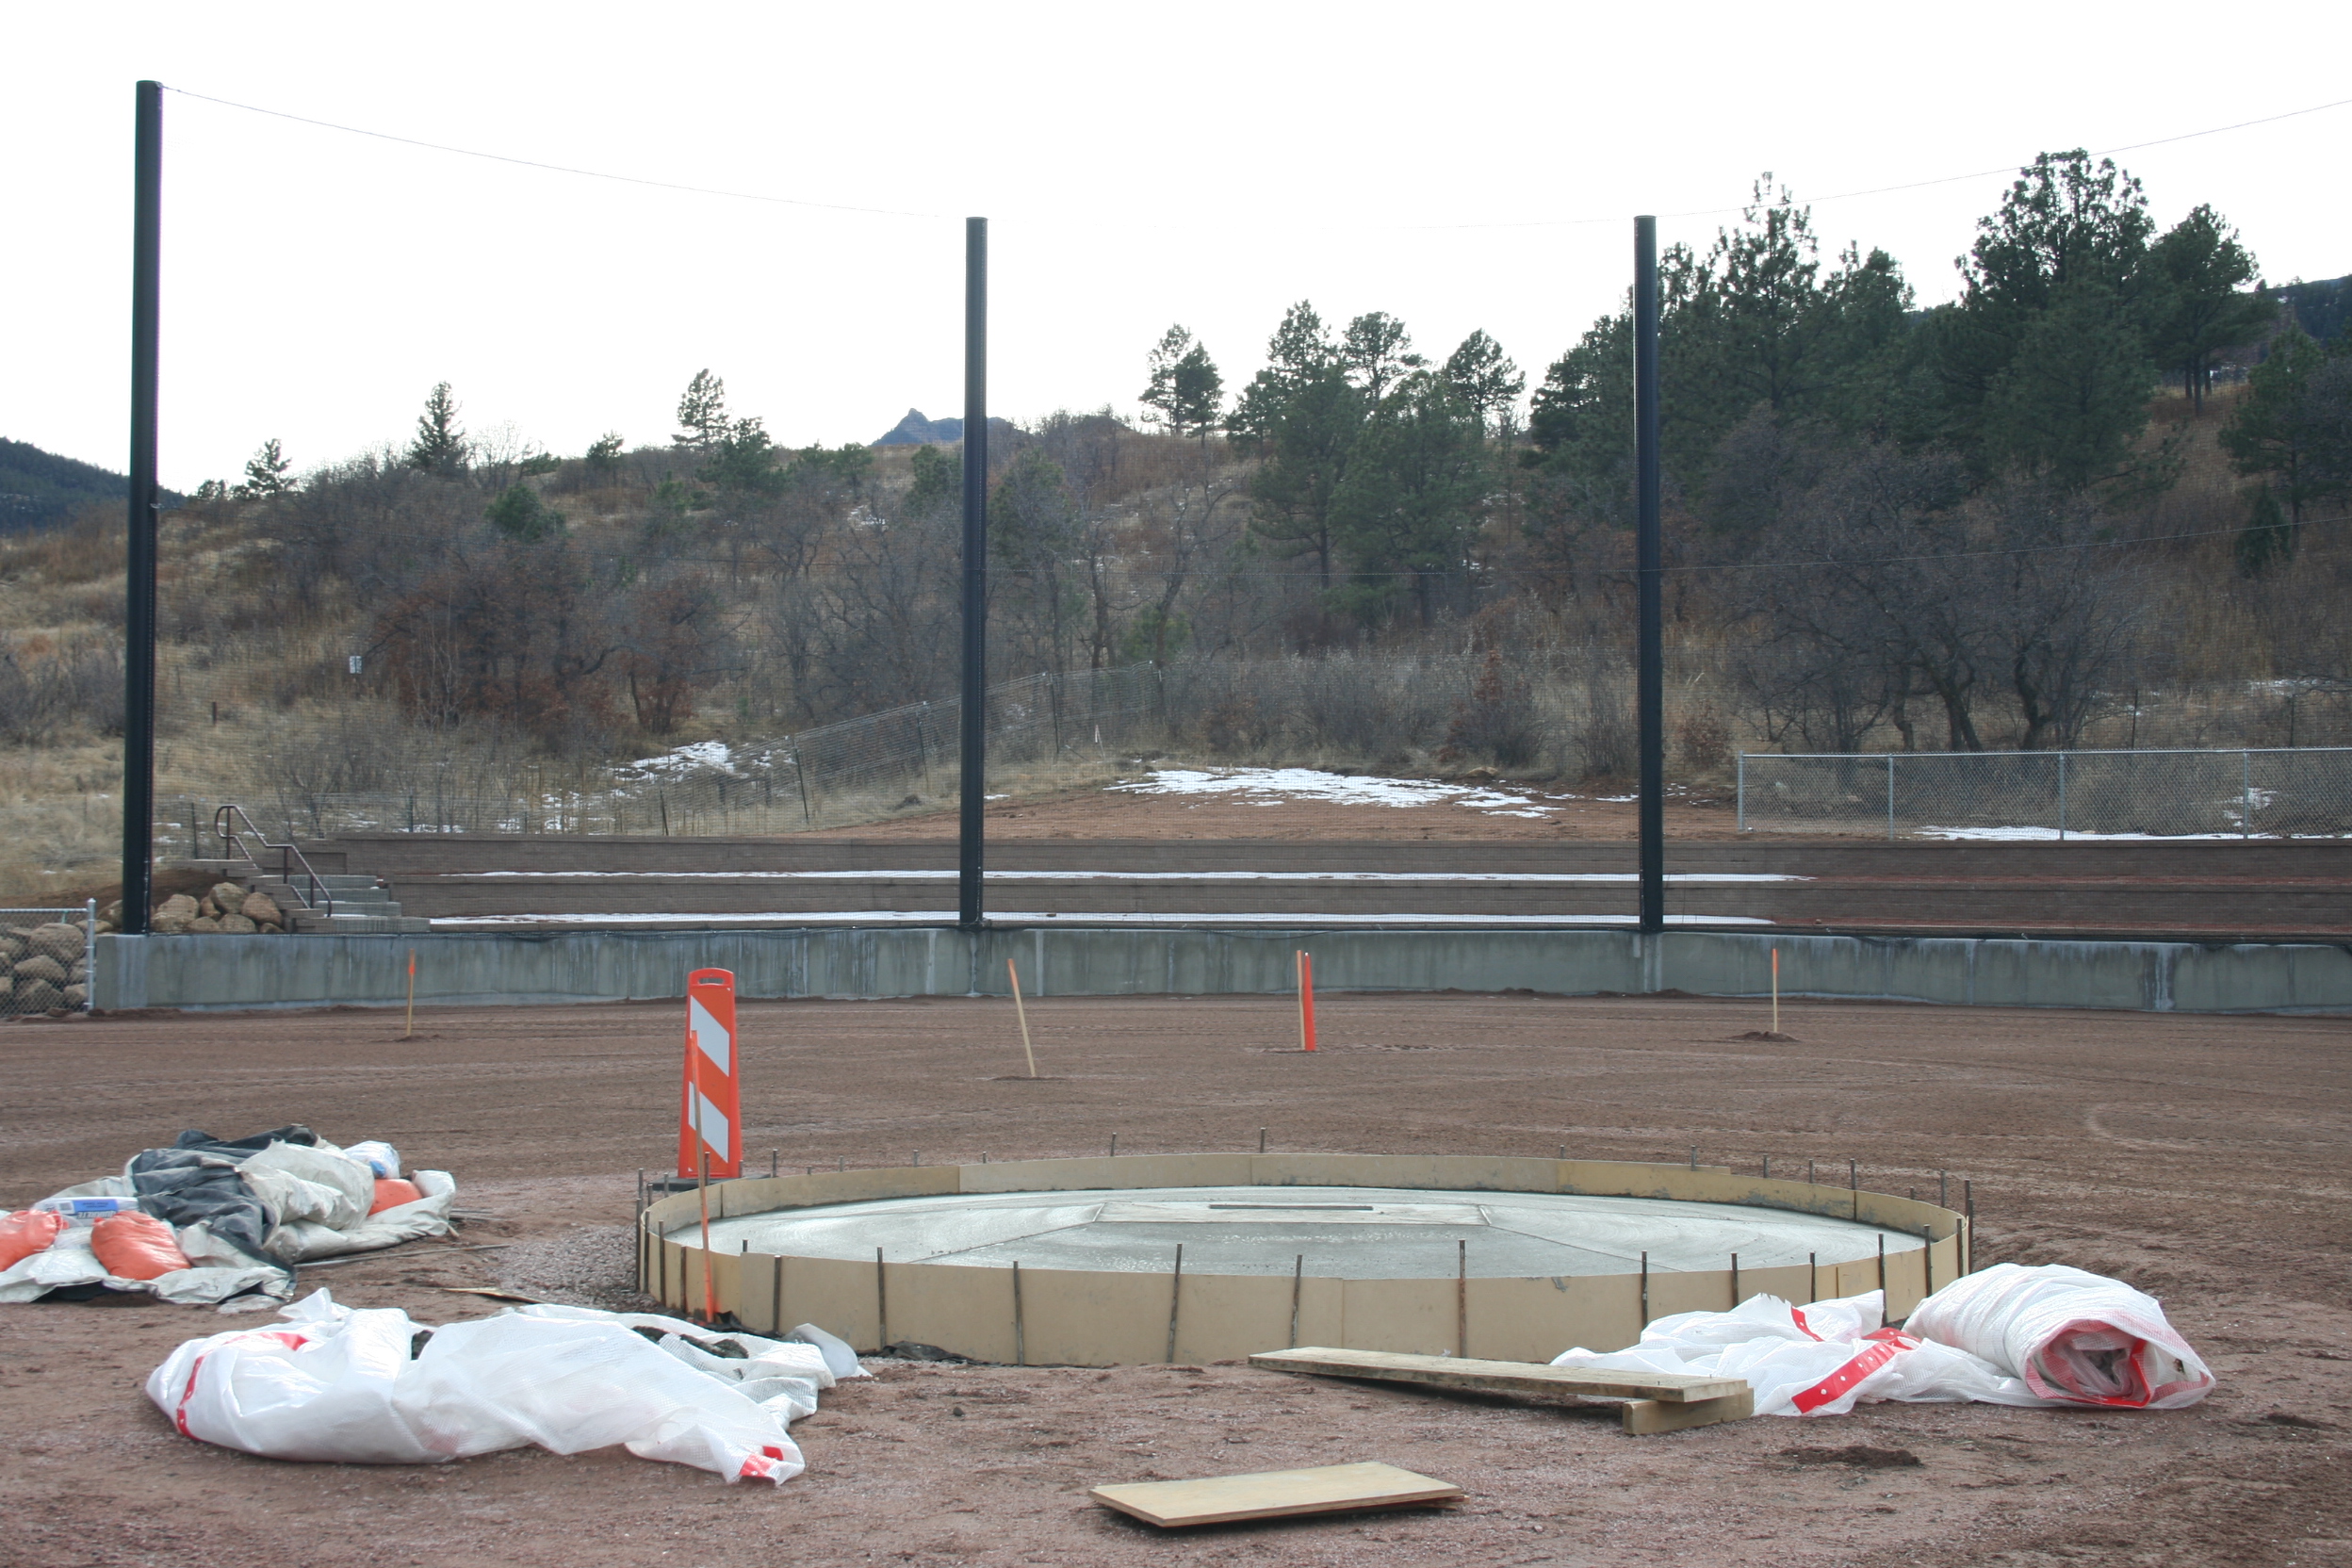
1343, 1233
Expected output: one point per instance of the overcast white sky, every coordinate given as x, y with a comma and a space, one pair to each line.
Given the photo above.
1207, 164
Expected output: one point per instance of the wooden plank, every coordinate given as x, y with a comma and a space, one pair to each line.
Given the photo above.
1498, 1377
1275, 1495
1644, 1417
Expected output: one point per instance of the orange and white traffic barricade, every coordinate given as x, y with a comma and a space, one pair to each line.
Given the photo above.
710, 1116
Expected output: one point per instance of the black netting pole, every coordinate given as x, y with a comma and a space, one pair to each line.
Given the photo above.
974, 720
139, 729
1651, 689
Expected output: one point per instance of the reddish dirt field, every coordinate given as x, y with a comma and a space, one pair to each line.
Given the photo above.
2203, 1159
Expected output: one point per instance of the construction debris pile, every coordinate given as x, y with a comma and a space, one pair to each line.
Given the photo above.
218, 1220
338, 1385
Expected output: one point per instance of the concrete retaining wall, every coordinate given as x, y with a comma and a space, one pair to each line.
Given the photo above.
215, 971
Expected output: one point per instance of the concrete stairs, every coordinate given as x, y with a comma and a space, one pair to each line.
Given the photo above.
353, 902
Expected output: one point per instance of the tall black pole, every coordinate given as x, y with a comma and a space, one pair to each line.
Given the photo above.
138, 620
974, 722
1650, 695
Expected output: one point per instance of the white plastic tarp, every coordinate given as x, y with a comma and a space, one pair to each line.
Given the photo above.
2075, 1337
339, 1386
2010, 1335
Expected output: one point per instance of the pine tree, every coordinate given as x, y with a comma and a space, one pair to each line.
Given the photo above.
937, 480
519, 513
742, 459
1405, 511
2071, 239
1159, 397
1309, 444
440, 446
604, 455
1376, 350
1485, 380
1297, 355
2267, 540
702, 414
265, 473
2201, 303
1200, 393
2272, 431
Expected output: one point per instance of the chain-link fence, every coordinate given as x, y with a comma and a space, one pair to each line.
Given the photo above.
2052, 794
50, 954
1041, 729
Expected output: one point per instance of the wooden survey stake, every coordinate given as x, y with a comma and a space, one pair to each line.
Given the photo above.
1275, 1495
1022, 1013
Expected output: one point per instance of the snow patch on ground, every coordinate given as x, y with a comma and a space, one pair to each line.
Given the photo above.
1277, 786
696, 757
2011, 835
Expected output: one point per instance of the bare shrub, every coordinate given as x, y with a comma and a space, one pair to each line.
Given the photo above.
1496, 720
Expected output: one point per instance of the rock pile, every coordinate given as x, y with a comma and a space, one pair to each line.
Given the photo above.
226, 909
46, 968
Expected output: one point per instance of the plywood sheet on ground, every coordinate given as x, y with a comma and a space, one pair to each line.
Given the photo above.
1275, 1495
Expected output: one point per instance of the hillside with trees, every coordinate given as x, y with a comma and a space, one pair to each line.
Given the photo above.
2096, 499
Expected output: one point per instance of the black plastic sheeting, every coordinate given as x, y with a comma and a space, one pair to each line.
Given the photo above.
197, 1180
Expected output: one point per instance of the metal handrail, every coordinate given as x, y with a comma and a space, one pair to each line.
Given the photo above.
320, 900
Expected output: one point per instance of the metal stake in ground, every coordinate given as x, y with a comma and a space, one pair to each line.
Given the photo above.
1461, 1299
1968, 1201
1298, 1284
1023, 1014
1175, 1299
702, 1191
410, 1028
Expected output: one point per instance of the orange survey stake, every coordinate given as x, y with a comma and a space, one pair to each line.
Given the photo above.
710, 1103
1306, 1001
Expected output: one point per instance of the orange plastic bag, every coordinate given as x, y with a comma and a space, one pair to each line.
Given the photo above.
391, 1192
27, 1232
134, 1246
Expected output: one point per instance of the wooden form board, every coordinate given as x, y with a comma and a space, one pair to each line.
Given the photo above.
1275, 1495
1500, 1376
1654, 1401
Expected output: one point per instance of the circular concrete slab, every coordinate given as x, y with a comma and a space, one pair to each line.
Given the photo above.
1343, 1233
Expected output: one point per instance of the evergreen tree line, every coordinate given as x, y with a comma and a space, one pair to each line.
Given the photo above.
1887, 525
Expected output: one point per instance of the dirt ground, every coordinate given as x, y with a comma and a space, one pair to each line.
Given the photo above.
1091, 813
2203, 1159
